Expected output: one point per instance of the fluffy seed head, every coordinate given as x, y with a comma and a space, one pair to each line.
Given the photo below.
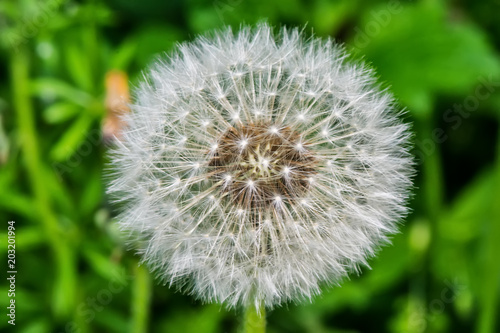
254, 167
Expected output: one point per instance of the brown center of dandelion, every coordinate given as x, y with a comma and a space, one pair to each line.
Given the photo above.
258, 166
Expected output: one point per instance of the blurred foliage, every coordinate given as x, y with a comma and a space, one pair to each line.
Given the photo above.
440, 58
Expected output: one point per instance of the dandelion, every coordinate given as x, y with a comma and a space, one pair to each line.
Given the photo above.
256, 167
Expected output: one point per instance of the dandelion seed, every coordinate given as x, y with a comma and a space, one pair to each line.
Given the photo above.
243, 143
273, 130
302, 167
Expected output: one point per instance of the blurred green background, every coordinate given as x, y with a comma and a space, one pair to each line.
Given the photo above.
440, 58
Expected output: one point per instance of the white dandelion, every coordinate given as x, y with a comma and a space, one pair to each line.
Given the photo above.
256, 167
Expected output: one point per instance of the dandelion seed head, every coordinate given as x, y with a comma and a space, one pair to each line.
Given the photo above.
273, 166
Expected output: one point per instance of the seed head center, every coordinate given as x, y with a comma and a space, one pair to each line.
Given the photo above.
255, 164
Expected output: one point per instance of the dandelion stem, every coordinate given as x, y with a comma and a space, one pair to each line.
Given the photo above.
255, 319
141, 300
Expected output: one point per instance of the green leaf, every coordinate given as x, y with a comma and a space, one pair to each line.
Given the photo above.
59, 191
27, 237
460, 222
65, 283
54, 88
489, 270
390, 264
38, 325
72, 139
16, 202
103, 265
111, 320
208, 317
460, 245
4, 141
329, 16
78, 66
60, 112
91, 193
420, 53
124, 55
11, 199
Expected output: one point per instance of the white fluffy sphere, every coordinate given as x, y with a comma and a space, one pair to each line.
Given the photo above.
256, 166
